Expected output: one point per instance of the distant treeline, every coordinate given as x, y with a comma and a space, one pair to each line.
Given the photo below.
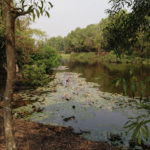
118, 32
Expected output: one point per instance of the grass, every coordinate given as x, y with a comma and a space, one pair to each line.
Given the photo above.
104, 57
65, 56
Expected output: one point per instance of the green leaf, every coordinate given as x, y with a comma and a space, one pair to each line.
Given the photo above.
118, 82
41, 10
47, 13
33, 15
30, 8
37, 13
51, 5
42, 4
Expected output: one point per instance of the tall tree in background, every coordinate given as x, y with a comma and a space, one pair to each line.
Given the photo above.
136, 21
12, 9
139, 9
115, 33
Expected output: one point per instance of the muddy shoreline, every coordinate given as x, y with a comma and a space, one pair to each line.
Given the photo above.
75, 93
35, 136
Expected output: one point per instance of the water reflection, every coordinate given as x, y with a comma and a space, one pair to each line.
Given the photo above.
87, 110
91, 122
135, 79
107, 74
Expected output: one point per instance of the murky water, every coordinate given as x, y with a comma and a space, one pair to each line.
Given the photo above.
91, 122
78, 101
107, 74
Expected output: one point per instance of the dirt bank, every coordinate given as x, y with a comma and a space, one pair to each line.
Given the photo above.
34, 136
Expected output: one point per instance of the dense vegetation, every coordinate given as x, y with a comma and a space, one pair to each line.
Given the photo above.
110, 34
40, 65
125, 33
35, 59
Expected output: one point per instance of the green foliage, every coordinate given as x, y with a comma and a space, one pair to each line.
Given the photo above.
123, 32
132, 26
46, 56
40, 65
57, 43
123, 82
138, 127
25, 41
140, 9
144, 106
35, 74
33, 8
136, 86
105, 57
109, 34
36, 8
35, 61
115, 33
88, 39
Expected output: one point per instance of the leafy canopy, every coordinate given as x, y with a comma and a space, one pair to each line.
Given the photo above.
34, 8
140, 9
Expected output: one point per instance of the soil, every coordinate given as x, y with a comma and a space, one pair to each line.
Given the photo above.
35, 136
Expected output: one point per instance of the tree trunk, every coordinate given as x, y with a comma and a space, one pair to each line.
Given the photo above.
10, 55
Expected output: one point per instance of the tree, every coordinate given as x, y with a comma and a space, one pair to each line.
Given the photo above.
12, 10
2, 58
115, 33
56, 43
138, 28
139, 9
25, 41
137, 20
126, 29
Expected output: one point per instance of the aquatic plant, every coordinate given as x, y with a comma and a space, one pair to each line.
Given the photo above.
138, 126
133, 86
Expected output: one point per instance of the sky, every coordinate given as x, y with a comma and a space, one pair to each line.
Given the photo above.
66, 15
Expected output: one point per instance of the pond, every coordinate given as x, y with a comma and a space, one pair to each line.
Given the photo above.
85, 98
106, 74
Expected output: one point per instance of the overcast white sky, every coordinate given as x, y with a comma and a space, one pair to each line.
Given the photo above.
66, 15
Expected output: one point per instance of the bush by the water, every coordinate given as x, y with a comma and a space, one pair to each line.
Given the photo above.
47, 56
35, 74
37, 71
106, 57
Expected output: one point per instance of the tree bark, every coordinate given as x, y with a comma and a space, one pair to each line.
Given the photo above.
10, 55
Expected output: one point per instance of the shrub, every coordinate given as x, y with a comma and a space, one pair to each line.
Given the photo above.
46, 56
35, 74
40, 65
